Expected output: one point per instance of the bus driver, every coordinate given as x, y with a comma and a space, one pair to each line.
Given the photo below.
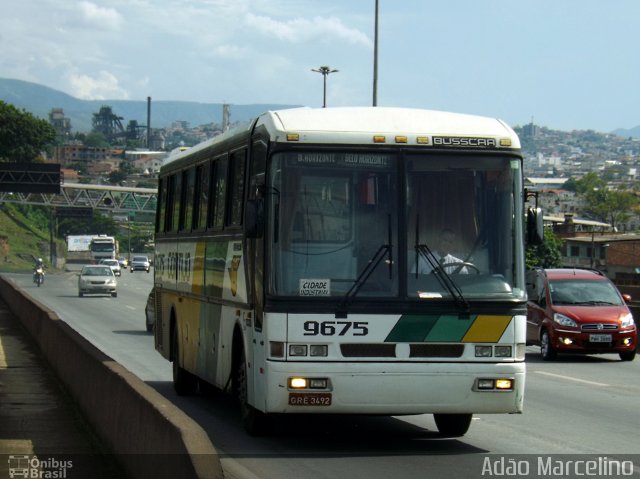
446, 241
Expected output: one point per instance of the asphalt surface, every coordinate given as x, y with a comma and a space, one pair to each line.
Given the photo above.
40, 426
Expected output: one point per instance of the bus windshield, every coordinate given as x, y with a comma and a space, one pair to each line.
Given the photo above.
374, 222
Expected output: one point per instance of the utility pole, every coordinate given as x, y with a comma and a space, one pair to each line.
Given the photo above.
375, 59
324, 70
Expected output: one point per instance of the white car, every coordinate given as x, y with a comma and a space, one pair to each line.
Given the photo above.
113, 264
140, 263
97, 279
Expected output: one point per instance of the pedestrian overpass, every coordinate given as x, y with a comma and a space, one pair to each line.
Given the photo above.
77, 199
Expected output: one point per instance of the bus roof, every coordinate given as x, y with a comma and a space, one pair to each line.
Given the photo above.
359, 124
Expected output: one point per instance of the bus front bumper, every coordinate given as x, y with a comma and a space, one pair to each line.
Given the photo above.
394, 388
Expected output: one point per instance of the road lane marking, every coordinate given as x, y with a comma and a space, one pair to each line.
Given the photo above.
569, 378
130, 307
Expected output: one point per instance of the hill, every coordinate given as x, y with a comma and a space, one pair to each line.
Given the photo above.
39, 100
631, 132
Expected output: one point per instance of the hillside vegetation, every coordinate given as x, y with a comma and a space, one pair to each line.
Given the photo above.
26, 230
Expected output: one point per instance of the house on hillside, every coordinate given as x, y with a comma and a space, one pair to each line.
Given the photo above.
69, 175
613, 253
149, 162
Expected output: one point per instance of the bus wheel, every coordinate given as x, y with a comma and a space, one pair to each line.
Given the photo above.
254, 422
453, 425
184, 382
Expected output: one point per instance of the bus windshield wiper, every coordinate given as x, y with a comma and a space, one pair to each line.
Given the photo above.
443, 277
372, 264
422, 250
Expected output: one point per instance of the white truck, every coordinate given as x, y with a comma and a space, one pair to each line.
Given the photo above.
103, 247
79, 249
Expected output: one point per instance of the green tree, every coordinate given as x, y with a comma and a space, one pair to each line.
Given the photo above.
604, 204
548, 254
589, 182
80, 167
96, 139
116, 177
97, 224
23, 137
570, 185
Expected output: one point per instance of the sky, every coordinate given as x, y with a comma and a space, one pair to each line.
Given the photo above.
563, 64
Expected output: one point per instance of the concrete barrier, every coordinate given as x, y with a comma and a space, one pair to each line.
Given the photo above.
150, 436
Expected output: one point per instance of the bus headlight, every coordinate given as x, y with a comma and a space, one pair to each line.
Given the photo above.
318, 383
503, 351
297, 383
483, 351
318, 350
485, 384
504, 384
494, 384
308, 383
297, 350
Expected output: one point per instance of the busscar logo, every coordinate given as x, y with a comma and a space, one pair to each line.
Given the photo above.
464, 141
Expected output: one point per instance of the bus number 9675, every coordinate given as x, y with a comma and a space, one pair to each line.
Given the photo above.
330, 328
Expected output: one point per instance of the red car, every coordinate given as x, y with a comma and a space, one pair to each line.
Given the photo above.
578, 311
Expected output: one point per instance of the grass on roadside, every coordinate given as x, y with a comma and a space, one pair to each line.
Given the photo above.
23, 237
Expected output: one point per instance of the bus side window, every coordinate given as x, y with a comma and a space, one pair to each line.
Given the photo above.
176, 203
186, 201
218, 189
170, 203
236, 187
162, 201
201, 196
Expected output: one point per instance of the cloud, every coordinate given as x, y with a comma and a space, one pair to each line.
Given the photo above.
230, 51
105, 18
105, 86
301, 30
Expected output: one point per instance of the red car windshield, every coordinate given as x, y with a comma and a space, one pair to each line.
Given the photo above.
584, 292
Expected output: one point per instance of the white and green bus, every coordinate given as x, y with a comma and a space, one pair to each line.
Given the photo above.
285, 265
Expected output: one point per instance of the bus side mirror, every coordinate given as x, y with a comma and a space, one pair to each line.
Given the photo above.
254, 218
535, 226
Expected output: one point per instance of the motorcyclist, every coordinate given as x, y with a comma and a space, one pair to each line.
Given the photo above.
39, 264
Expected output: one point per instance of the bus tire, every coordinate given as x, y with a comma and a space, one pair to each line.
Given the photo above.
452, 425
184, 382
254, 422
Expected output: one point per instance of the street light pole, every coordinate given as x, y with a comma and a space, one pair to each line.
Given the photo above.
375, 59
324, 70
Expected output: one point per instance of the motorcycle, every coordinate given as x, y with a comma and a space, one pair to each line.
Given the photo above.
39, 276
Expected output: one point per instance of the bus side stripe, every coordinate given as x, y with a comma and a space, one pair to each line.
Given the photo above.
411, 327
449, 328
487, 329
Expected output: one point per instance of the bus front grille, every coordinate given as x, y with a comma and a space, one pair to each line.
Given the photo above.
364, 350
388, 350
436, 350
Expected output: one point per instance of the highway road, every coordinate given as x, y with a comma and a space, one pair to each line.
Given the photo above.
575, 406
